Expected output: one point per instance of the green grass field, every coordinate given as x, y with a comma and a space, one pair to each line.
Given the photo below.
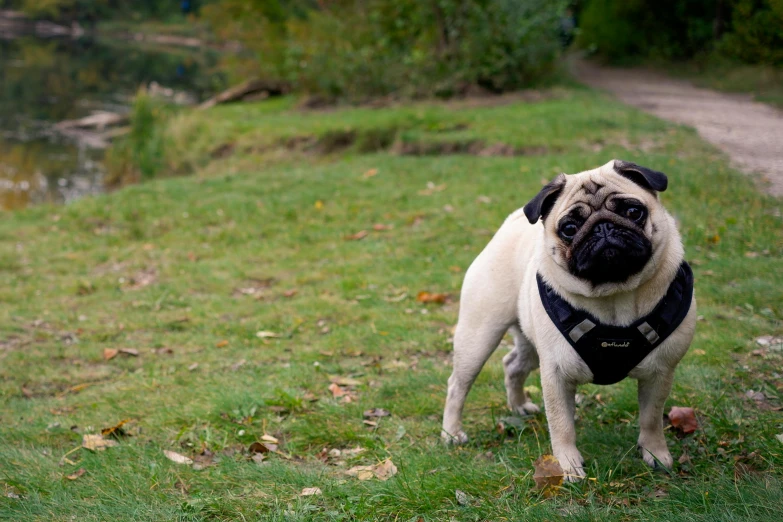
188, 270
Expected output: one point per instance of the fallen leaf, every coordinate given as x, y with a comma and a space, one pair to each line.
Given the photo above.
427, 297
484, 199
336, 390
548, 473
380, 227
306, 492
699, 352
222, 344
462, 497
263, 447
76, 474
376, 412
370, 423
779, 436
263, 334
290, 293
385, 470
129, 351
97, 442
192, 367
658, 493
382, 471
176, 457
361, 472
684, 419
370, 173
109, 354
269, 438
357, 236
345, 381
115, 430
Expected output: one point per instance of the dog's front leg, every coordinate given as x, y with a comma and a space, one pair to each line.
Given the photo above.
559, 392
653, 391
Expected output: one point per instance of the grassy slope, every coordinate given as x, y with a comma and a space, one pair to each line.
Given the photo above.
252, 216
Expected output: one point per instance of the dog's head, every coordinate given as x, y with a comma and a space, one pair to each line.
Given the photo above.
604, 228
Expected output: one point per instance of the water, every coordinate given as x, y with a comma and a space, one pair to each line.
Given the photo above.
44, 81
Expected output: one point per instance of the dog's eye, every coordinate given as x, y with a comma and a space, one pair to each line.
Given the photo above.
568, 230
634, 213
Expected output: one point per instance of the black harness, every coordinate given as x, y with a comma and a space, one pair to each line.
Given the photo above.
612, 351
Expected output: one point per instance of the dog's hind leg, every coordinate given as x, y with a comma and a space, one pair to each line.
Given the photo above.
518, 364
473, 344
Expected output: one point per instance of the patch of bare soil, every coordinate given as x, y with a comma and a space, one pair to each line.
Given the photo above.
751, 133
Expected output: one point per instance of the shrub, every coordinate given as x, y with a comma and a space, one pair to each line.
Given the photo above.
358, 49
620, 30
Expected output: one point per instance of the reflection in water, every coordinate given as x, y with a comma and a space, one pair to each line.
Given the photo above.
46, 81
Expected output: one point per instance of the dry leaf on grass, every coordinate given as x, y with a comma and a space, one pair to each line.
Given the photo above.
357, 236
462, 497
345, 381
307, 492
262, 447
427, 297
76, 474
370, 173
222, 344
129, 351
109, 354
264, 334
548, 473
290, 293
779, 436
97, 442
116, 431
376, 412
338, 392
684, 419
176, 457
382, 471
380, 227
269, 438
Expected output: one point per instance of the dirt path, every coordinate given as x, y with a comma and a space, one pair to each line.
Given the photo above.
751, 133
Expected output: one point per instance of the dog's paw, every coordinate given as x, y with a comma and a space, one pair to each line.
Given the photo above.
460, 437
527, 408
656, 456
572, 463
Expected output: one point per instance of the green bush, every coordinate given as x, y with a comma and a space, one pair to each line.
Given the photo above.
757, 32
139, 155
622, 30
358, 49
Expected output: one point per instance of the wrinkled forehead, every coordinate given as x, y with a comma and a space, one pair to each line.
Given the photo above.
593, 188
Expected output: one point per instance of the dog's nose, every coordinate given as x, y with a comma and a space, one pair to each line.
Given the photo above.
604, 229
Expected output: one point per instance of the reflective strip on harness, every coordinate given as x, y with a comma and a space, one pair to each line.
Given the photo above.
648, 332
579, 330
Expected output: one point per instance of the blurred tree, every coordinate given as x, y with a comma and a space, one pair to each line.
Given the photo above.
751, 30
355, 49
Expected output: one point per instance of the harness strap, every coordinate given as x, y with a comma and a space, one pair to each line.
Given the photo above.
611, 352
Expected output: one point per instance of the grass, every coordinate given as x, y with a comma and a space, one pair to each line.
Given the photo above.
188, 270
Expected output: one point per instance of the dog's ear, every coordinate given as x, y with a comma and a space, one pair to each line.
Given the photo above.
642, 176
539, 206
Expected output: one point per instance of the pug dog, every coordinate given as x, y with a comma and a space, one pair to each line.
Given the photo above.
590, 281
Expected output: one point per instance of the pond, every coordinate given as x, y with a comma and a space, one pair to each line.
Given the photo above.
47, 80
